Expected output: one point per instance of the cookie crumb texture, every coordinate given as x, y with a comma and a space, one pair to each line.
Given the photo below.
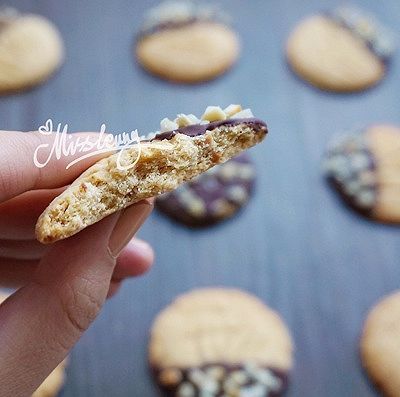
186, 42
31, 50
331, 57
213, 196
220, 342
380, 345
162, 164
364, 168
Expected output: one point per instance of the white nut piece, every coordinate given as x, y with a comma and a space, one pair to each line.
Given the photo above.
244, 114
168, 125
232, 109
214, 113
183, 120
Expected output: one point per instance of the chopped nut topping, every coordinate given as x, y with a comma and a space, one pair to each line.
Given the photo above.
214, 113
168, 125
232, 109
244, 114
184, 120
182, 11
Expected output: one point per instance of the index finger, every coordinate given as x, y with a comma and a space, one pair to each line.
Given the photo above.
20, 173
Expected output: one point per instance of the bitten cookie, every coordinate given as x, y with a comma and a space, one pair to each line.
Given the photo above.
186, 42
31, 49
343, 50
364, 167
380, 345
213, 196
185, 148
220, 342
54, 382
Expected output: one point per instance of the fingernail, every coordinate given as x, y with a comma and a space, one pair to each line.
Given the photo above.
142, 250
130, 221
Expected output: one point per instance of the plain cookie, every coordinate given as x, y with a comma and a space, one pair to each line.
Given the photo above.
364, 168
380, 345
186, 42
31, 50
213, 196
214, 342
54, 382
185, 148
344, 50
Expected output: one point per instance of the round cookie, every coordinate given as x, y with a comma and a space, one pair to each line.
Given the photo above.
380, 345
344, 50
54, 382
364, 167
186, 42
31, 49
214, 196
220, 342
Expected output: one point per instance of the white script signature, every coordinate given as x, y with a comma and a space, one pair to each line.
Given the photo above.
70, 145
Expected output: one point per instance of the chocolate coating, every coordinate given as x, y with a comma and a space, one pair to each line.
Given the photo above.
350, 170
213, 196
167, 25
201, 129
281, 378
378, 39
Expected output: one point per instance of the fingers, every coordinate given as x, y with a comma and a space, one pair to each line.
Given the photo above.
26, 249
18, 172
134, 260
42, 321
18, 216
129, 222
114, 288
15, 273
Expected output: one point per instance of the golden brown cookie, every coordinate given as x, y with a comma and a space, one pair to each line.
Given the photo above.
214, 342
31, 49
364, 167
344, 50
54, 382
380, 345
184, 149
186, 42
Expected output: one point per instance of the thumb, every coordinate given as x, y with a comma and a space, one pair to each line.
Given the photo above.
42, 321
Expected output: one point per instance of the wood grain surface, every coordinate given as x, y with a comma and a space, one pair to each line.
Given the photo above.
295, 246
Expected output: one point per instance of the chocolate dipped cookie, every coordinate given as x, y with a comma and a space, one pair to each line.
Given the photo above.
364, 168
213, 196
220, 342
186, 42
182, 150
342, 50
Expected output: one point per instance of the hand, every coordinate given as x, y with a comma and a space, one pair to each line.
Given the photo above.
62, 286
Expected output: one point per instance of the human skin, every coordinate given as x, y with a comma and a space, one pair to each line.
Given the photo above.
61, 287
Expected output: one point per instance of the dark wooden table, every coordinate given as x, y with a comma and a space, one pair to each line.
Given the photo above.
294, 246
